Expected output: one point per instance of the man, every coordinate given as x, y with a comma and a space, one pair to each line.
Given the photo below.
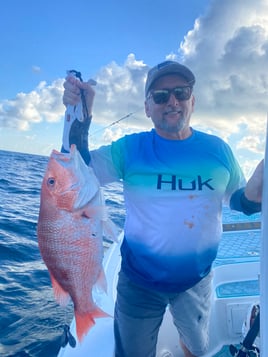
175, 181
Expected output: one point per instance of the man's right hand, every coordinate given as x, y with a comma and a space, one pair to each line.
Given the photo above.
78, 98
72, 92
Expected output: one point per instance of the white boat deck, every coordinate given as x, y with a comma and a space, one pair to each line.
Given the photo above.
236, 286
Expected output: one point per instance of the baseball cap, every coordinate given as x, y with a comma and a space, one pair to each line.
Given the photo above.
168, 67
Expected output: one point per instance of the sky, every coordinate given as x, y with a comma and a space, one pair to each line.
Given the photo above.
225, 43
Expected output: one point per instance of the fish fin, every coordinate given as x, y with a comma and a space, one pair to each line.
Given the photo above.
101, 281
86, 321
90, 212
60, 294
110, 231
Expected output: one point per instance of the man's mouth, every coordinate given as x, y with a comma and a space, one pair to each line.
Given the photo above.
172, 112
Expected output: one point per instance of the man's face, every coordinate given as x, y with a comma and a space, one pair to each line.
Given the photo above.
171, 119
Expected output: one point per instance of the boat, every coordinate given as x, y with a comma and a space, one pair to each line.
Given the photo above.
235, 291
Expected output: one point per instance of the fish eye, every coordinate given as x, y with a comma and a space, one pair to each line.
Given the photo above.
51, 181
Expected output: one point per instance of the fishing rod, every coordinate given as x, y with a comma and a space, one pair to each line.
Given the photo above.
115, 122
83, 109
264, 255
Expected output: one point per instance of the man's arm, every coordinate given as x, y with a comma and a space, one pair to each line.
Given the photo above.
248, 199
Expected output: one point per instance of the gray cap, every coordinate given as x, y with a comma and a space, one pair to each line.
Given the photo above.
168, 67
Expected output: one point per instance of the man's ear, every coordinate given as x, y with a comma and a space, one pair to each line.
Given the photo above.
193, 102
147, 108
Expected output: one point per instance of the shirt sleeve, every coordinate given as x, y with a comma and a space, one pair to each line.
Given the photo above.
104, 163
237, 178
239, 202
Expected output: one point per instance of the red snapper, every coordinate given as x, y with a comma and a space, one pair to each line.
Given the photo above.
71, 224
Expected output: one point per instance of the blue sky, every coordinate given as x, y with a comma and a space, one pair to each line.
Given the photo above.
225, 43
58, 35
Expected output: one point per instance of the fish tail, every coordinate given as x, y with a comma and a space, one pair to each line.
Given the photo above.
85, 321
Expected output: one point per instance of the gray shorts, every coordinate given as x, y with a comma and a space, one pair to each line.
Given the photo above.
139, 313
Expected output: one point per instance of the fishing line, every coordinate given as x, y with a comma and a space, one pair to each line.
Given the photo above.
115, 122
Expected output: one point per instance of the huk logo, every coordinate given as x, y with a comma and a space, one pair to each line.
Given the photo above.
174, 183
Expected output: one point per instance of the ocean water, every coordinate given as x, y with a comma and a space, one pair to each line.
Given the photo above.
31, 322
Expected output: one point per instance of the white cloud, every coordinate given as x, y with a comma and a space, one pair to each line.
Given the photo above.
42, 104
120, 88
251, 143
228, 51
36, 69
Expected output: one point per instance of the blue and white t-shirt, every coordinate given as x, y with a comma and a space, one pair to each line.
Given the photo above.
173, 190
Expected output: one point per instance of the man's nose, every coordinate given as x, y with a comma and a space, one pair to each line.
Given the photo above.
173, 100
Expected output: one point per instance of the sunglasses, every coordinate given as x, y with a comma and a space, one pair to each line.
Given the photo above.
161, 96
